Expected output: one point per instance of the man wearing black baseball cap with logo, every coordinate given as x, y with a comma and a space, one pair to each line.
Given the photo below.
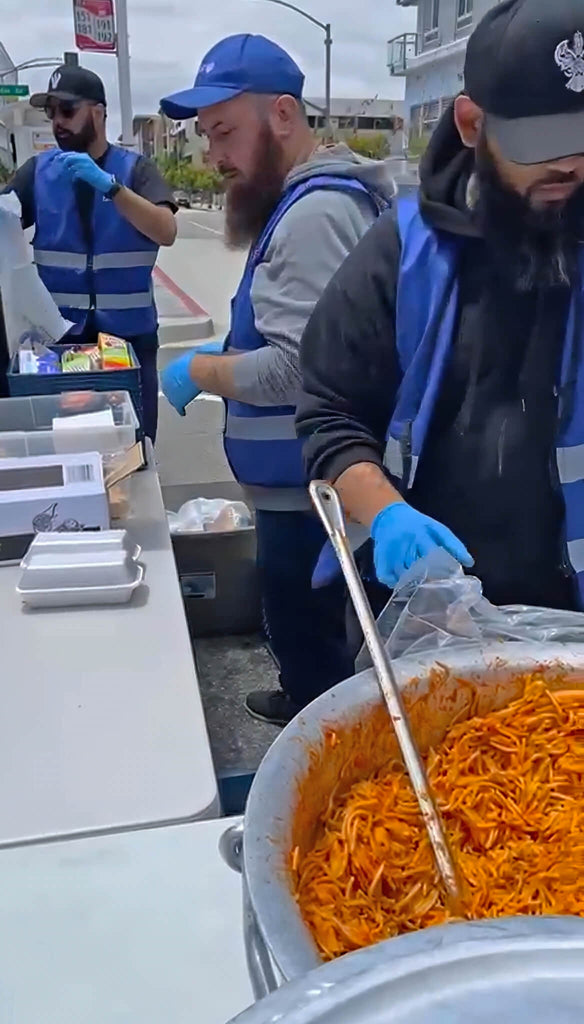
100, 213
444, 366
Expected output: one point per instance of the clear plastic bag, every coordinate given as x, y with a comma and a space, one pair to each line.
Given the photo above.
210, 515
436, 607
28, 306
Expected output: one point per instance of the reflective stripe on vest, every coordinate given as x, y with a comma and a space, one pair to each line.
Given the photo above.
72, 260
260, 441
133, 300
425, 323
107, 260
112, 273
62, 299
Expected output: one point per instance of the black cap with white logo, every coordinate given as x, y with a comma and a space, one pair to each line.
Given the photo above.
71, 84
525, 69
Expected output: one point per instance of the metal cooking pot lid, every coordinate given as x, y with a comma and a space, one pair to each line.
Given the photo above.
489, 972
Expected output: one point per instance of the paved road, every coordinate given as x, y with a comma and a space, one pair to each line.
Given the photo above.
199, 224
189, 449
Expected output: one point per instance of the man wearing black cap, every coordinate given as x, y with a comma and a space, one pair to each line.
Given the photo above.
444, 366
299, 208
100, 214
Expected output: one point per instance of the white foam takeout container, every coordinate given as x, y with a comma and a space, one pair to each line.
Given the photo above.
62, 570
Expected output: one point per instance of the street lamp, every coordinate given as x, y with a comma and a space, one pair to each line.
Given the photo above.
328, 42
36, 62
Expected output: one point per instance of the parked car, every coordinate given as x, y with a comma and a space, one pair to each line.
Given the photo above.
182, 199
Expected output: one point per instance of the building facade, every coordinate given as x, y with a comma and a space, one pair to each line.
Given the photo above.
157, 136
8, 76
366, 117
432, 60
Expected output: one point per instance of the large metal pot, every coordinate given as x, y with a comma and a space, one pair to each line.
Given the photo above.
509, 971
279, 945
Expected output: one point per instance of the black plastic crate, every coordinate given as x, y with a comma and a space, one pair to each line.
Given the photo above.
128, 379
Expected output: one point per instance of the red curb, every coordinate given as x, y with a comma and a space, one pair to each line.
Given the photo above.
189, 303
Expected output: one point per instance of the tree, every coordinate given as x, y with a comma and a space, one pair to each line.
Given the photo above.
376, 147
5, 174
182, 174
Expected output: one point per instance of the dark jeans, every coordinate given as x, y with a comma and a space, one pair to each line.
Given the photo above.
305, 627
147, 354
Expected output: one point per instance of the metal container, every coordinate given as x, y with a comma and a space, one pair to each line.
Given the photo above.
509, 971
86, 543
279, 945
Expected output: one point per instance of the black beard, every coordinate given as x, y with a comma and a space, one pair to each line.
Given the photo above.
533, 248
250, 204
77, 142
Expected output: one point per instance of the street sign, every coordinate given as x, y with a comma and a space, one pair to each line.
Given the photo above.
95, 27
14, 90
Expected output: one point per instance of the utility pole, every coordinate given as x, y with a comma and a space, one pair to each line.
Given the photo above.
328, 42
124, 83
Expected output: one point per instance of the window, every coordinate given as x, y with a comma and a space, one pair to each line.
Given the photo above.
415, 122
464, 11
430, 116
431, 18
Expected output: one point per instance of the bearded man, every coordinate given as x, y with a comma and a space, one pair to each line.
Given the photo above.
300, 208
444, 365
100, 213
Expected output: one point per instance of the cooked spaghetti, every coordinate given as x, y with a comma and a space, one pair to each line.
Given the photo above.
510, 785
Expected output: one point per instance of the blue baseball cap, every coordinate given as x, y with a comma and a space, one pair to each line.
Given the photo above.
238, 64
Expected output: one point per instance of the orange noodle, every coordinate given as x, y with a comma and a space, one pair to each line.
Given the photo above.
510, 785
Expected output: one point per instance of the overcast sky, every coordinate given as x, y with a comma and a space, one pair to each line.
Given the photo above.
168, 40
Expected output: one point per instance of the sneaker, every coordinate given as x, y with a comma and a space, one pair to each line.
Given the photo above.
271, 706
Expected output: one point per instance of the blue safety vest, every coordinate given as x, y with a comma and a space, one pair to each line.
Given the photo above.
427, 302
260, 441
110, 273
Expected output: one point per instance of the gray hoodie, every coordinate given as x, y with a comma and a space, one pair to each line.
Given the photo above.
309, 245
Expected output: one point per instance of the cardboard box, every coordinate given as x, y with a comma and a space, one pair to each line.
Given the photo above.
46, 493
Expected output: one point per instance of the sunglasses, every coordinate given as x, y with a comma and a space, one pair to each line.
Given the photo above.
66, 108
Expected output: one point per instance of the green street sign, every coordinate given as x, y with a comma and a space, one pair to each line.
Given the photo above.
14, 90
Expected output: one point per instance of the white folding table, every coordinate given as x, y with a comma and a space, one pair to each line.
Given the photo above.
135, 928
101, 723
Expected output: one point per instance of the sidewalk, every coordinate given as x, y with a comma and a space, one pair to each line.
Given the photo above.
208, 273
181, 317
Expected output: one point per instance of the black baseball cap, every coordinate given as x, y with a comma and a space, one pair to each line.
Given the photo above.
71, 84
525, 69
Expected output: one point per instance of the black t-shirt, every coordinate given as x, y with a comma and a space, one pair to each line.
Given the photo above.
146, 181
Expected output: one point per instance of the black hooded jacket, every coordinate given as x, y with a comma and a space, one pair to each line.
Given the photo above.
488, 468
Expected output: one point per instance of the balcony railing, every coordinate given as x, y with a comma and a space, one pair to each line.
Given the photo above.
400, 50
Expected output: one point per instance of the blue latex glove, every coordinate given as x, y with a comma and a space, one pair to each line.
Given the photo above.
401, 536
80, 167
176, 382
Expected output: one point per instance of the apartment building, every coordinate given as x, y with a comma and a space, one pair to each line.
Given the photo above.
432, 60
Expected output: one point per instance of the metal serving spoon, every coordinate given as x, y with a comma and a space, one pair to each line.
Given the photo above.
328, 505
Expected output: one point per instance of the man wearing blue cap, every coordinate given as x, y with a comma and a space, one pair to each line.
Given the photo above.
300, 208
